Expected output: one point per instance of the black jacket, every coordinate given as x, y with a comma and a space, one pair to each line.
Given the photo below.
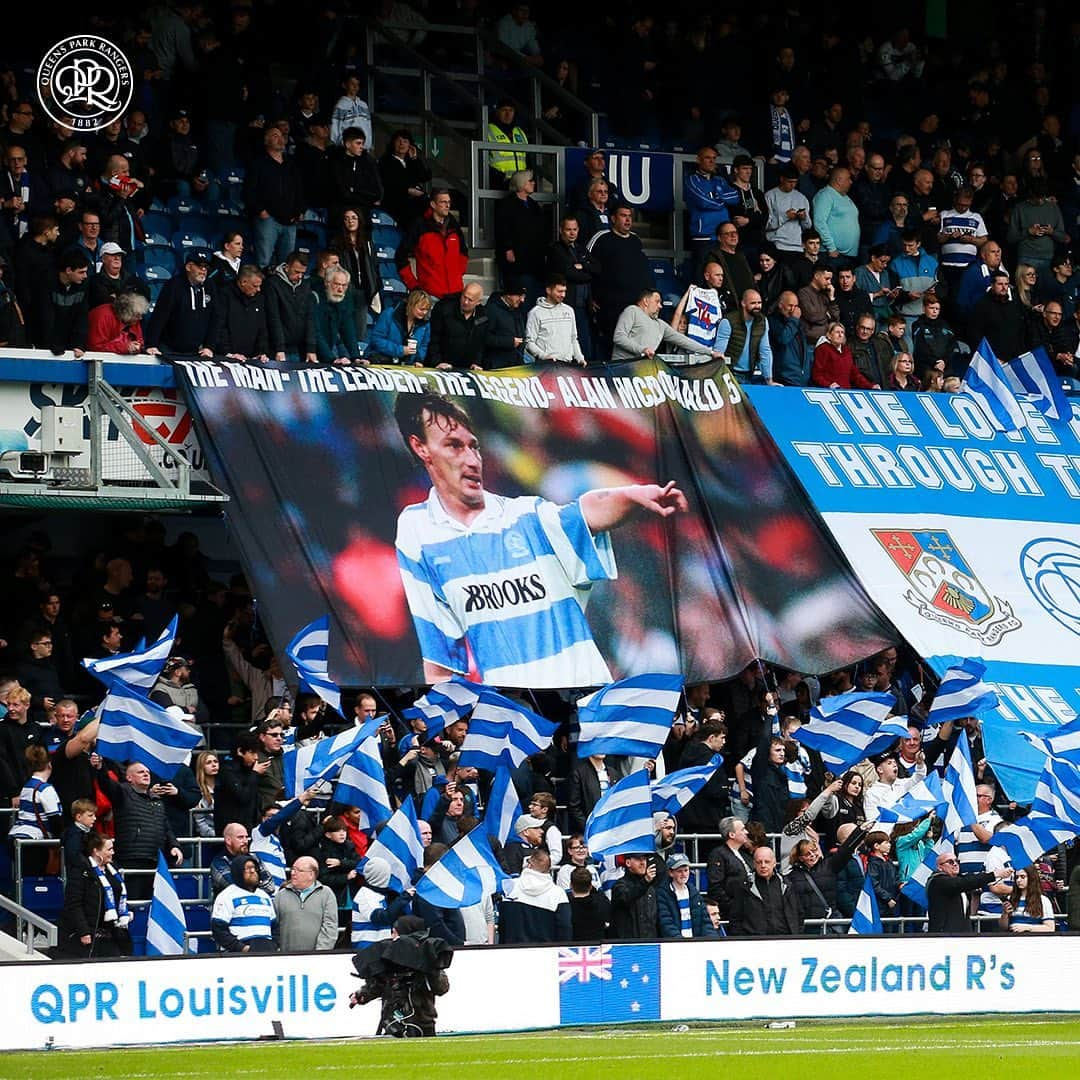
274, 187
180, 321
750, 915
583, 791
727, 872
316, 167
521, 226
356, 182
236, 797
397, 177
103, 289
948, 913
504, 324
624, 272
238, 323
456, 340
84, 913
61, 314
633, 909
142, 826
1004, 325
289, 314
565, 259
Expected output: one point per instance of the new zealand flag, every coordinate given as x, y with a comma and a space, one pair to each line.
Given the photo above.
609, 984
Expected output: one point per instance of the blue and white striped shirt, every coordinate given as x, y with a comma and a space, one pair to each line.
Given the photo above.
249, 914
510, 588
26, 819
364, 931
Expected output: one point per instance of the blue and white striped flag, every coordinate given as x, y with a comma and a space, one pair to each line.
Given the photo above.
1032, 374
925, 796
137, 670
323, 760
445, 703
133, 728
399, 844
621, 822
986, 383
503, 807
166, 926
309, 652
1063, 742
867, 918
362, 783
847, 728
961, 693
915, 886
632, 716
1057, 794
675, 790
464, 875
1028, 839
503, 732
958, 786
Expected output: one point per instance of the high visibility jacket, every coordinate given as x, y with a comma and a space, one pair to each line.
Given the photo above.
506, 161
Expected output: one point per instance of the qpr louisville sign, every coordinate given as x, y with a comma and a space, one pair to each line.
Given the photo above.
85, 82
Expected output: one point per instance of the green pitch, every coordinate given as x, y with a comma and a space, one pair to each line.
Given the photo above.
926, 1046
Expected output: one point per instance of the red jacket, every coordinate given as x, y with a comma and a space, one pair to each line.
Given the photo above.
441, 256
833, 366
107, 333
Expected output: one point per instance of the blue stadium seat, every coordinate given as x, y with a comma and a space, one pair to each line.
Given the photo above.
157, 206
160, 256
387, 269
44, 896
155, 288
184, 239
316, 214
386, 239
183, 207
160, 274
157, 223
311, 236
394, 289
381, 217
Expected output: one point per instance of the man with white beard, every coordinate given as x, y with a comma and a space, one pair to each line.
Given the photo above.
335, 327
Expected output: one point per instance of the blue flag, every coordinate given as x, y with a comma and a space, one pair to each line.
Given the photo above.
309, 652
166, 926
676, 789
847, 728
985, 381
445, 703
621, 822
324, 759
1032, 375
1057, 794
866, 919
631, 717
503, 732
1028, 839
399, 844
962, 693
468, 872
925, 796
1063, 743
915, 886
503, 807
138, 670
362, 782
133, 728
958, 787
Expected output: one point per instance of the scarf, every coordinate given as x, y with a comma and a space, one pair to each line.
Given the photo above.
783, 134
116, 911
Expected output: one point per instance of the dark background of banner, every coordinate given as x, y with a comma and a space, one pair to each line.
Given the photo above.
316, 483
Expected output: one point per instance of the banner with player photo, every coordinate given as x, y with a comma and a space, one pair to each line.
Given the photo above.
535, 527
968, 539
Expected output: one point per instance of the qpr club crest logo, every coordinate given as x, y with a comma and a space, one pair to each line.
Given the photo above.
1051, 569
85, 82
943, 587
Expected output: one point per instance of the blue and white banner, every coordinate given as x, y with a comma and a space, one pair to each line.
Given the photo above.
400, 845
133, 728
645, 179
967, 538
309, 652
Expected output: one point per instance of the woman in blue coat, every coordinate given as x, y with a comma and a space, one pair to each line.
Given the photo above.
401, 333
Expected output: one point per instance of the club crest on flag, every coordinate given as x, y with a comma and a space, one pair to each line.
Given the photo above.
944, 588
1051, 570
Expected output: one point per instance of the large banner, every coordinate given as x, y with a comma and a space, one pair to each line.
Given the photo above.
645, 178
534, 527
968, 539
206, 998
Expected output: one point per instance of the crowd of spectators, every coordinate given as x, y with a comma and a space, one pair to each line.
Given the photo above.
930, 176
771, 845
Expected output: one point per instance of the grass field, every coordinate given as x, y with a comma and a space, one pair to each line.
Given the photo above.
918, 1047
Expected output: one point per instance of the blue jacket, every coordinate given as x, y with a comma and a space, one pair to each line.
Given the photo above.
792, 357
707, 199
667, 909
388, 336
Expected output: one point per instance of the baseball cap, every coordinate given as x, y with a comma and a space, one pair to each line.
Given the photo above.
175, 662
527, 821
111, 248
677, 861
514, 287
197, 255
